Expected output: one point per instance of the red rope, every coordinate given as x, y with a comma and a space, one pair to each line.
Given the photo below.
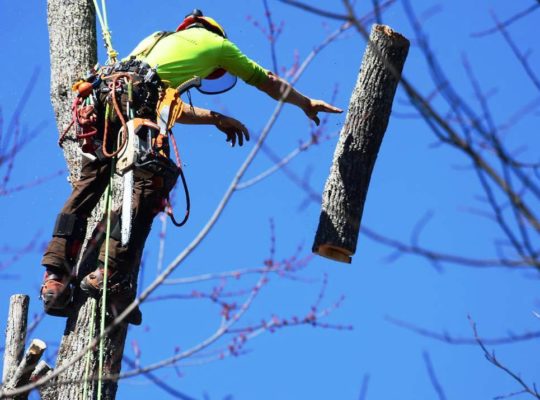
120, 116
88, 130
175, 148
74, 106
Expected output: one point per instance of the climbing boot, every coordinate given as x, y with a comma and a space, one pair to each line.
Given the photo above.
120, 292
56, 292
117, 283
118, 305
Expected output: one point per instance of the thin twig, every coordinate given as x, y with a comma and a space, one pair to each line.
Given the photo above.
490, 356
444, 257
455, 340
521, 58
433, 377
159, 382
509, 21
364, 387
272, 35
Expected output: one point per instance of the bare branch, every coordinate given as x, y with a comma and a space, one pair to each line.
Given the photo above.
521, 58
364, 388
447, 258
159, 382
315, 10
433, 377
272, 35
456, 340
509, 21
490, 356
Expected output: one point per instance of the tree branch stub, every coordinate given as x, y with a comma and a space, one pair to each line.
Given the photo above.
15, 334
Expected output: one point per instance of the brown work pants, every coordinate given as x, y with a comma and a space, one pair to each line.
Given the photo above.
148, 201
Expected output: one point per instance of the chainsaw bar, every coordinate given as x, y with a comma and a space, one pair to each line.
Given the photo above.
127, 200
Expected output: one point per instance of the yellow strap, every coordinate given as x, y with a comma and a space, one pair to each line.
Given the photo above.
171, 98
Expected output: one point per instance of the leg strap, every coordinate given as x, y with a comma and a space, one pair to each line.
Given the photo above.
69, 226
116, 226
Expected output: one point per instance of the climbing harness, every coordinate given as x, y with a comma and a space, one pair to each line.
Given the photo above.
168, 112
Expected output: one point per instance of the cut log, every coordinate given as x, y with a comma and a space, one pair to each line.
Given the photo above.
15, 334
28, 364
359, 142
40, 371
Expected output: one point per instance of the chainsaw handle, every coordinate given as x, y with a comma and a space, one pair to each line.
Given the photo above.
191, 83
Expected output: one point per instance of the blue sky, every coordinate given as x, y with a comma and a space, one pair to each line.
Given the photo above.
411, 178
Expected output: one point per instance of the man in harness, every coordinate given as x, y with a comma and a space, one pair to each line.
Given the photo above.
200, 48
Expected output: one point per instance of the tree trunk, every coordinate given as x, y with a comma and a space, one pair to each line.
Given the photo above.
72, 47
15, 334
20, 366
367, 118
72, 38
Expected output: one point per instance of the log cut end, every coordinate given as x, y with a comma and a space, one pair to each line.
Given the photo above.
392, 34
334, 253
37, 347
41, 370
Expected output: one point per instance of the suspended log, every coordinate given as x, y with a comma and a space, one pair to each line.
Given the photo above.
359, 142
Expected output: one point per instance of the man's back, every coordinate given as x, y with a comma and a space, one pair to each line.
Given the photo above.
198, 52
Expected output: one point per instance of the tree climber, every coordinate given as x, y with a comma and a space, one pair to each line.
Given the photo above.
199, 47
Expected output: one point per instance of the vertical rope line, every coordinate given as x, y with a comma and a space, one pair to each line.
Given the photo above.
98, 13
88, 353
105, 279
102, 17
104, 8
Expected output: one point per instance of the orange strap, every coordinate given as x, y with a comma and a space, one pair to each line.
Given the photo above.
171, 98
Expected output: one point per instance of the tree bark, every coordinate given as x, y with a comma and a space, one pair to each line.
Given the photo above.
15, 334
42, 369
360, 139
18, 365
27, 365
73, 51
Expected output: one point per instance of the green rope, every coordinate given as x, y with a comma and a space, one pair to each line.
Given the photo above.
108, 207
89, 352
105, 279
101, 14
104, 8
107, 37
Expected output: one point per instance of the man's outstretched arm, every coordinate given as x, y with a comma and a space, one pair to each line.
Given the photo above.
276, 87
231, 127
